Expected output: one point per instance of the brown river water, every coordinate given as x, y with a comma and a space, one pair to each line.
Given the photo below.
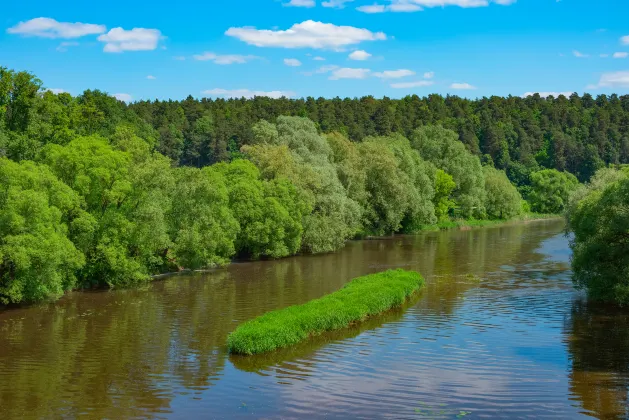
498, 332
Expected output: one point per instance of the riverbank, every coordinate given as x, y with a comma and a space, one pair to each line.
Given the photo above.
471, 223
359, 299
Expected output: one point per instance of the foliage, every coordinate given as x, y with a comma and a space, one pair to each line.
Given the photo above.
202, 227
550, 190
359, 299
443, 202
269, 212
126, 236
442, 148
293, 149
502, 201
600, 222
37, 260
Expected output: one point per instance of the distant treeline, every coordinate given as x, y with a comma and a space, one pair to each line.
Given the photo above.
94, 192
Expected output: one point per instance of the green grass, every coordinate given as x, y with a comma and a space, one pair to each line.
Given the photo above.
472, 223
356, 301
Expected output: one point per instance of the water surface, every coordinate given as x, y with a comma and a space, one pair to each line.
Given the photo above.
498, 332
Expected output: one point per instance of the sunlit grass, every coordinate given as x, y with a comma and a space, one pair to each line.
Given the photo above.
359, 299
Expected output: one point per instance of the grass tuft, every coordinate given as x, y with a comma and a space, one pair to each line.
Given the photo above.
356, 301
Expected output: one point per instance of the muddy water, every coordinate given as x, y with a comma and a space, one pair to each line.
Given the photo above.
498, 332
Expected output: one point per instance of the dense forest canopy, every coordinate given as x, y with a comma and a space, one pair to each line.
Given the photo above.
97, 192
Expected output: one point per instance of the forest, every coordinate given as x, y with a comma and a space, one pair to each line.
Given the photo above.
95, 192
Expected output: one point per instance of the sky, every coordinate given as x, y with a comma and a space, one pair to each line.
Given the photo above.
298, 48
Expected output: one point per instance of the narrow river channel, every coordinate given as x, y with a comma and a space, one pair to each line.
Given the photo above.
498, 332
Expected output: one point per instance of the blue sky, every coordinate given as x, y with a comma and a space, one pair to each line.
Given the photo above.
169, 50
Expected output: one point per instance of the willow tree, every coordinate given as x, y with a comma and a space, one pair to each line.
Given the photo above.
126, 238
600, 222
400, 185
269, 212
202, 227
502, 199
37, 259
442, 148
292, 148
550, 190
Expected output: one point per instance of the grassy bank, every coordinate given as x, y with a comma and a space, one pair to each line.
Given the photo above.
471, 223
359, 299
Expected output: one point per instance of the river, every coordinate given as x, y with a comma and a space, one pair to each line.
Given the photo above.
498, 332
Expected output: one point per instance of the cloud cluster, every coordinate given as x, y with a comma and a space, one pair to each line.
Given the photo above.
50, 28
336, 4
246, 93
137, 39
116, 40
618, 79
308, 34
300, 3
359, 55
224, 59
292, 62
405, 6
349, 73
394, 74
462, 86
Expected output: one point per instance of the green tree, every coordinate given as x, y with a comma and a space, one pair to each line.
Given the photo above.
443, 202
202, 227
442, 148
127, 238
269, 212
550, 190
503, 201
37, 260
600, 222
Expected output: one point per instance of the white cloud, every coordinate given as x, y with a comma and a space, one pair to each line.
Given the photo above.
56, 91
124, 97
317, 58
322, 70
618, 79
408, 85
308, 34
137, 39
224, 59
404, 7
292, 62
336, 4
373, 8
246, 93
579, 54
349, 73
429, 75
462, 86
620, 55
359, 55
300, 3
394, 74
547, 94
625, 40
50, 28
63, 47
418, 5
150, 77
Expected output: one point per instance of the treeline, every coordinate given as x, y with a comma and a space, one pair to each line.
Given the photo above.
579, 134
91, 195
